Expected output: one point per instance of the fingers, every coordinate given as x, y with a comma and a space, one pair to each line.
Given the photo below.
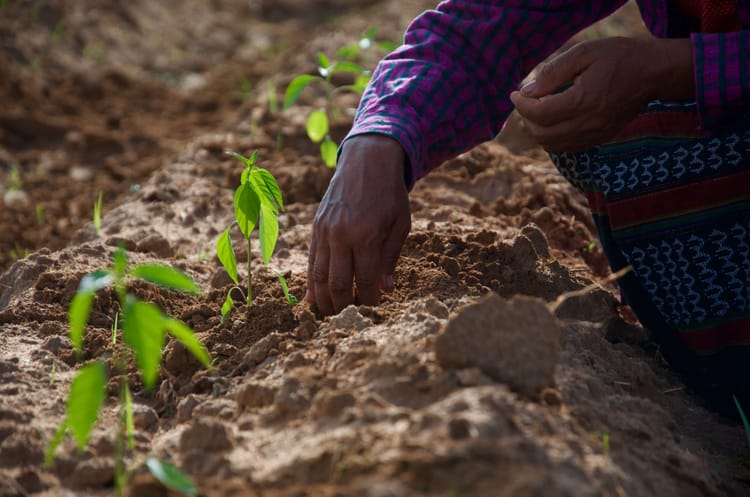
367, 276
551, 109
310, 293
559, 71
340, 274
320, 272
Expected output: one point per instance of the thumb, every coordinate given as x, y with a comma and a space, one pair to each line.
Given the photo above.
558, 72
391, 251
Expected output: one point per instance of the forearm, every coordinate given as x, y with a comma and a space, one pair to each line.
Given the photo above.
446, 89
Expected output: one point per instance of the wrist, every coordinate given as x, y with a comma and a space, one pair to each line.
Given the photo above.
671, 75
386, 151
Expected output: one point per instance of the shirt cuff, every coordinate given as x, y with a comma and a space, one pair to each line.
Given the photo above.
722, 77
401, 129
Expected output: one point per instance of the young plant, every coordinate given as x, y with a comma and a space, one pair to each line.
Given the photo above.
98, 214
318, 122
257, 202
144, 330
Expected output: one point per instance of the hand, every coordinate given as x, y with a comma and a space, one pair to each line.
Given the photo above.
611, 81
360, 226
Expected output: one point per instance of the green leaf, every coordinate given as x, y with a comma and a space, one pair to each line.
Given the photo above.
129, 418
295, 88
388, 46
54, 443
370, 33
246, 209
166, 276
120, 262
186, 337
317, 125
348, 52
323, 60
285, 288
227, 306
743, 418
84, 401
98, 213
171, 477
248, 161
265, 183
360, 84
347, 66
93, 282
226, 255
143, 331
268, 232
78, 316
328, 151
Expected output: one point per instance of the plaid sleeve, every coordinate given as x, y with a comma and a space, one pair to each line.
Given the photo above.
447, 87
722, 76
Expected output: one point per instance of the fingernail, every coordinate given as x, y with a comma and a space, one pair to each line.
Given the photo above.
529, 87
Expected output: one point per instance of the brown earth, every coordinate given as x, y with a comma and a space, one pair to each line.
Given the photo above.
472, 378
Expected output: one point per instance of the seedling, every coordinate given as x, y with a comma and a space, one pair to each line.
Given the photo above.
98, 214
144, 330
60, 33
15, 183
257, 202
318, 122
244, 89
743, 417
39, 214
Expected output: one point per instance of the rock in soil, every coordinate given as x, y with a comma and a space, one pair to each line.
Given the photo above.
513, 341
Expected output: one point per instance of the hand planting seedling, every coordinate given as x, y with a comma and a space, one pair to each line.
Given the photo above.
144, 330
318, 122
257, 202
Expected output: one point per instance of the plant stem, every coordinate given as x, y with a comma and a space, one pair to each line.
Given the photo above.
249, 274
120, 441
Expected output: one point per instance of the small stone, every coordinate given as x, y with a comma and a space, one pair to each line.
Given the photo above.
16, 199
596, 306
144, 417
350, 319
206, 435
450, 265
185, 407
96, 472
330, 404
253, 395
81, 173
292, 397
515, 342
156, 244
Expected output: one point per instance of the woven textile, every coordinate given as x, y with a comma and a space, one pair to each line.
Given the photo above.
676, 206
714, 16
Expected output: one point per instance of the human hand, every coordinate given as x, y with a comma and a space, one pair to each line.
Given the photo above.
360, 226
611, 81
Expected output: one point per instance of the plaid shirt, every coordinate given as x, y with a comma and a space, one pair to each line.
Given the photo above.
447, 87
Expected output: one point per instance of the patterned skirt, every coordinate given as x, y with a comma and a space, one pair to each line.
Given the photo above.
673, 202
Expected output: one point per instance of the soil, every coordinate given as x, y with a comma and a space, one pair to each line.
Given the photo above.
476, 376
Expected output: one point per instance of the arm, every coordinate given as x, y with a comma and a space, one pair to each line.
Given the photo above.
446, 89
